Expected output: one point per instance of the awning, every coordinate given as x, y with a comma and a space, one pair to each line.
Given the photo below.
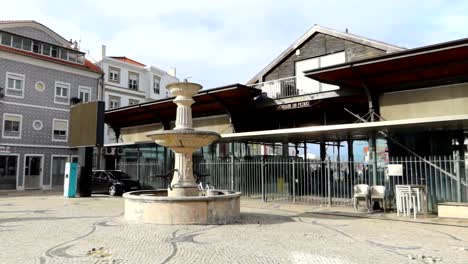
432, 65
354, 131
221, 100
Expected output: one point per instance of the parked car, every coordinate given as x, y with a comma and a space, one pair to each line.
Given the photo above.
114, 182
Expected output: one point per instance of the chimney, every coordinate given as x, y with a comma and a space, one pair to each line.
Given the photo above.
103, 51
172, 72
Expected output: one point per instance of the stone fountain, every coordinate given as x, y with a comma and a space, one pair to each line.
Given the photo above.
183, 202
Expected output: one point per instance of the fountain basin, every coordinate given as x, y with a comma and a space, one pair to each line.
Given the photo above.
155, 207
183, 139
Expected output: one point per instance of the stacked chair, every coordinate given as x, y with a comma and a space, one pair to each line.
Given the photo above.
408, 199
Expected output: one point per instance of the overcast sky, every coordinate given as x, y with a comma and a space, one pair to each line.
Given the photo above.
223, 42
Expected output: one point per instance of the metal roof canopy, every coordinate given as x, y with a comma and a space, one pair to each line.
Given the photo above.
350, 131
207, 102
433, 65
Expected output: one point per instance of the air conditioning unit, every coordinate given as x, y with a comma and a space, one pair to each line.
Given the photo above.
110, 151
120, 151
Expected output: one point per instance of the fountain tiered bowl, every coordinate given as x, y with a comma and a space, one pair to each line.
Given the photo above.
183, 202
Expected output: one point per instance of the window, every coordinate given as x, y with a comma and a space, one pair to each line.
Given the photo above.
114, 102
17, 42
54, 52
27, 44
114, 74
133, 102
24, 43
12, 126
84, 94
60, 130
62, 93
14, 85
46, 49
6, 39
156, 83
133, 81
37, 47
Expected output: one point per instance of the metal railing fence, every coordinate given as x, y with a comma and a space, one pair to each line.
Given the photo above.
319, 182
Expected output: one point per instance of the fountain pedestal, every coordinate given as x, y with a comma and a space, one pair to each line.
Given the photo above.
183, 202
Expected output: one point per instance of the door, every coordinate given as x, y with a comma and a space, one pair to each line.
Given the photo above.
58, 170
8, 171
33, 171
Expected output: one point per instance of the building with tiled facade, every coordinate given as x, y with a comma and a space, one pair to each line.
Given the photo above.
41, 73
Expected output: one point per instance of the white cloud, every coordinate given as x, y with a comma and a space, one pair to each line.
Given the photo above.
221, 42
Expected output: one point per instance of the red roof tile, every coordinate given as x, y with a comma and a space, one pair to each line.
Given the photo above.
127, 60
88, 65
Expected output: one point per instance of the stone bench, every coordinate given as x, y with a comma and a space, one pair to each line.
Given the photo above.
453, 210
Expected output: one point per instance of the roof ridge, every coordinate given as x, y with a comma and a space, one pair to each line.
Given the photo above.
328, 31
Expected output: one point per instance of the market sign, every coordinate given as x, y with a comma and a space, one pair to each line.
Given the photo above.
395, 170
293, 105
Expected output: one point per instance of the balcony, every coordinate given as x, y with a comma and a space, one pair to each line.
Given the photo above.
293, 86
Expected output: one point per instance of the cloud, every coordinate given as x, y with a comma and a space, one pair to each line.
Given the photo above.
221, 42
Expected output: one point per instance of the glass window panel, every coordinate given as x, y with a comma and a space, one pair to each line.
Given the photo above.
6, 39
46, 49
11, 83
36, 47
63, 54
27, 44
17, 42
54, 52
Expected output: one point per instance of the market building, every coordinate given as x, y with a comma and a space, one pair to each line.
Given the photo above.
359, 104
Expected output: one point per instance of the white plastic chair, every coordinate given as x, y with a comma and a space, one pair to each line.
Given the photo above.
361, 192
377, 192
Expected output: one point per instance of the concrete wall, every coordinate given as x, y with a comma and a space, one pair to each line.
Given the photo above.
428, 102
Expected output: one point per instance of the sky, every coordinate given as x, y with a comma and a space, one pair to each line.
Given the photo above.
222, 42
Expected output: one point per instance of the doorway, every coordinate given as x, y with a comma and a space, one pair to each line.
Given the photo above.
8, 171
33, 168
58, 170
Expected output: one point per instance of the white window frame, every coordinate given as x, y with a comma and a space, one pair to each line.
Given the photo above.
158, 83
62, 85
52, 166
84, 89
113, 97
111, 70
20, 126
53, 128
136, 80
14, 76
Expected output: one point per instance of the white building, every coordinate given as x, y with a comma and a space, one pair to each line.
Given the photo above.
128, 82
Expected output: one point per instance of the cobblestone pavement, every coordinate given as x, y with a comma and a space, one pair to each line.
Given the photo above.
53, 229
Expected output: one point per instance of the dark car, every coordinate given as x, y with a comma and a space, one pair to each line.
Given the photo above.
113, 182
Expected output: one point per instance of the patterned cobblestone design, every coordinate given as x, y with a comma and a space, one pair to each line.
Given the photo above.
53, 229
